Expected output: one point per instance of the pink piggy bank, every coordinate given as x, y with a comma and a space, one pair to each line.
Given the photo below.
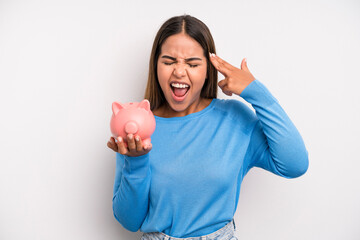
135, 118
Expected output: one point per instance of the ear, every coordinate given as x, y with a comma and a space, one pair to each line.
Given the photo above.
145, 104
116, 106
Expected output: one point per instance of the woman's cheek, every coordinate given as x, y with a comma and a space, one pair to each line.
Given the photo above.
199, 74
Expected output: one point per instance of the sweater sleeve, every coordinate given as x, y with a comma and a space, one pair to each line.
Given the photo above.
131, 190
275, 144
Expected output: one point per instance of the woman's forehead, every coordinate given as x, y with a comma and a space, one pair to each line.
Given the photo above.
181, 46
182, 54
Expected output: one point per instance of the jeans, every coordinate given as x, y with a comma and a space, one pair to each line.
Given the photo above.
224, 233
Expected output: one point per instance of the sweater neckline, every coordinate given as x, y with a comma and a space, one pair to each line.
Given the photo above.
189, 116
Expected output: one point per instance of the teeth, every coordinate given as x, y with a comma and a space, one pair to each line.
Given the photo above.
178, 85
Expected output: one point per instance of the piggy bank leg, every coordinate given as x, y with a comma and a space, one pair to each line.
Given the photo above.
146, 142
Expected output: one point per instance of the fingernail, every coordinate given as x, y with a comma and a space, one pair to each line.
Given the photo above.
130, 136
119, 139
137, 138
245, 60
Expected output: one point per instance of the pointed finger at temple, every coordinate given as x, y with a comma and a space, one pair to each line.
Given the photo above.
220, 66
224, 63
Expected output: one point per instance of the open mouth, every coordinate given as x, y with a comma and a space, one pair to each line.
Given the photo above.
179, 91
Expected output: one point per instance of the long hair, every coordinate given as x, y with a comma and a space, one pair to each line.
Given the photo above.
197, 30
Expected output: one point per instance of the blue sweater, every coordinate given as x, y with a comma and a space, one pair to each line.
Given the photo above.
188, 185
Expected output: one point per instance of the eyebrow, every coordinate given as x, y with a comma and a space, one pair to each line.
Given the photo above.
187, 60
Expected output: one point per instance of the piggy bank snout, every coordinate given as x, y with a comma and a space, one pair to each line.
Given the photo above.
131, 127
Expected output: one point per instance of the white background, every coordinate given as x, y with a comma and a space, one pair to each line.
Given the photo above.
63, 62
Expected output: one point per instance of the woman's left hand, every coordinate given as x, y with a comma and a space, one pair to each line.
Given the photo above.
236, 80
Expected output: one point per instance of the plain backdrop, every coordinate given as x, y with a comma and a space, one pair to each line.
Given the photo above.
63, 62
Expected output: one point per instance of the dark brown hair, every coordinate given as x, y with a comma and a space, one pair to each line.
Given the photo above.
197, 30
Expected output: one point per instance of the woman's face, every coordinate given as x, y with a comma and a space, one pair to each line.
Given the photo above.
181, 71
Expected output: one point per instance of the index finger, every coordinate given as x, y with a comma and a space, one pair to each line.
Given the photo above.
221, 65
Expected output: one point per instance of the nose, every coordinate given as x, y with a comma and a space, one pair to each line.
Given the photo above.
180, 70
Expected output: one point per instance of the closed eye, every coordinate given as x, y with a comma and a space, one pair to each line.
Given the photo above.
191, 65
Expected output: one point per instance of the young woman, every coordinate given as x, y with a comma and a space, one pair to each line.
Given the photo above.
186, 184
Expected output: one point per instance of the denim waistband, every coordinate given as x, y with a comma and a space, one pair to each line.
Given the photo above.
224, 233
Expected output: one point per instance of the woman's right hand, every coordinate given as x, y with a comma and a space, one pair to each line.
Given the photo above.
135, 146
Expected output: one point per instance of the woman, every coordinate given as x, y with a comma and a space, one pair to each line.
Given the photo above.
186, 184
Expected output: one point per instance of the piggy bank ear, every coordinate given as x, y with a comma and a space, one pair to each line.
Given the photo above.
145, 104
116, 107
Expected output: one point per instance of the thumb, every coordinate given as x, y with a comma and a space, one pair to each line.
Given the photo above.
244, 65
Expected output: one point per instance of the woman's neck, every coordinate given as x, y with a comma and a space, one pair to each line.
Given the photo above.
166, 111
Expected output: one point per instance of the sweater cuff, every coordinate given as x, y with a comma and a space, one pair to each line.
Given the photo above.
256, 92
137, 167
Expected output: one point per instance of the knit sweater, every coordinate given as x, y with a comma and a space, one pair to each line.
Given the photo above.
188, 185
